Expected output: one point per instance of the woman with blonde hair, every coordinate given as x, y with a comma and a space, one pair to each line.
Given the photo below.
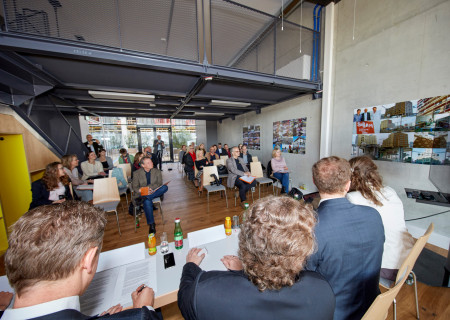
280, 170
53, 188
70, 164
268, 279
201, 146
367, 189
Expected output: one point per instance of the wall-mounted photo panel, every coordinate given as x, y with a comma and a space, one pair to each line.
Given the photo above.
251, 136
290, 135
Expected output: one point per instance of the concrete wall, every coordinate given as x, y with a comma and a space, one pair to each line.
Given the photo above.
400, 52
211, 133
230, 131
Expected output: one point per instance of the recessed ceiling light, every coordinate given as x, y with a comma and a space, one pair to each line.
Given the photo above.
229, 103
121, 96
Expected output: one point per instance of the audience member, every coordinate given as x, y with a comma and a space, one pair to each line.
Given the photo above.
268, 280
53, 188
350, 241
220, 151
181, 153
137, 162
92, 145
189, 162
158, 147
247, 157
148, 153
367, 190
227, 151
125, 157
280, 170
92, 168
212, 155
106, 161
51, 260
200, 163
150, 177
201, 147
70, 164
236, 169
240, 147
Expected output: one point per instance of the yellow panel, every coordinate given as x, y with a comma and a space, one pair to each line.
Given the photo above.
36, 175
15, 186
3, 236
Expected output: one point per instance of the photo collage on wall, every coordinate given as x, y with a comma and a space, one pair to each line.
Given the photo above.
415, 131
290, 135
251, 136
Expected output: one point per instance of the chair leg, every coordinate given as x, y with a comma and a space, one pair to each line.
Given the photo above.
226, 198
117, 218
161, 210
395, 308
259, 191
207, 195
253, 199
415, 293
135, 216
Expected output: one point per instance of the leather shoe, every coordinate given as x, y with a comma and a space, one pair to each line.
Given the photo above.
155, 208
152, 228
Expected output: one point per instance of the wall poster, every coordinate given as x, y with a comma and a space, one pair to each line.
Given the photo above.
252, 136
290, 135
415, 131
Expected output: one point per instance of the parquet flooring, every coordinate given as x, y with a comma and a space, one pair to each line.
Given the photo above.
182, 201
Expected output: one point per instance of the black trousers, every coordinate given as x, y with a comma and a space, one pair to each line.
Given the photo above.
244, 187
159, 159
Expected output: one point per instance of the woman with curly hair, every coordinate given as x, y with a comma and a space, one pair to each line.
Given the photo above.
267, 280
367, 189
53, 188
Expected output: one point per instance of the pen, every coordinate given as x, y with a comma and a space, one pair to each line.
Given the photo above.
141, 288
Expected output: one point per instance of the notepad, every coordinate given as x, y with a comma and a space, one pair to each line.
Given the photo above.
247, 179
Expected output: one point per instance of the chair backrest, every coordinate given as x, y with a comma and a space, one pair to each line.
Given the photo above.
105, 190
207, 172
254, 159
224, 158
380, 306
127, 168
256, 169
219, 162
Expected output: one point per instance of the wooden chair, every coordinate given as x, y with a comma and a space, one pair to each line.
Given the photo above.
255, 159
219, 162
207, 179
124, 191
224, 159
256, 170
403, 273
127, 168
106, 196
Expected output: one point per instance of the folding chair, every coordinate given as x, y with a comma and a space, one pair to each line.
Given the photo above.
255, 159
224, 159
127, 169
256, 170
207, 179
409, 262
137, 208
106, 196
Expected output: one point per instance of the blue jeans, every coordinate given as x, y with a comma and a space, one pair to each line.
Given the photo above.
148, 203
284, 178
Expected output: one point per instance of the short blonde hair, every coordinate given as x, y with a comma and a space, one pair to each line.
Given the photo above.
48, 243
274, 152
199, 154
276, 240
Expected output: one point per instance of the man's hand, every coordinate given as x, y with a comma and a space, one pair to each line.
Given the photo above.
248, 173
5, 299
143, 296
286, 168
232, 263
112, 310
193, 256
98, 141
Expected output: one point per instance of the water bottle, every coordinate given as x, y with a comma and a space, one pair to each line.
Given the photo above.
178, 235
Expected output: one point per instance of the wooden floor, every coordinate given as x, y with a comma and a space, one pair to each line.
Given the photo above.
182, 201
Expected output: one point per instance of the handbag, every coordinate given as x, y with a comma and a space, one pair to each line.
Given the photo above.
221, 169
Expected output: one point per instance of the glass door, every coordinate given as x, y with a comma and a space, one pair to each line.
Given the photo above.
148, 134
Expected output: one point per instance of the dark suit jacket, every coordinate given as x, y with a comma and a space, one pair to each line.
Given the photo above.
96, 146
140, 180
249, 157
155, 145
130, 314
40, 194
230, 295
350, 242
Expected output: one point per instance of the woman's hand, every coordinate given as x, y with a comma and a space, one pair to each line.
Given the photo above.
232, 263
102, 173
59, 201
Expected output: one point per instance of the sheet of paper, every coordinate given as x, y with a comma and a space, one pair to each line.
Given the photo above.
119, 257
247, 179
201, 237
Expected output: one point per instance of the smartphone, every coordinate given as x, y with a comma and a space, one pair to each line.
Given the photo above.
169, 260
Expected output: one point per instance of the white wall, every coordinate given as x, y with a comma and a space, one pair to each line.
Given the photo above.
230, 131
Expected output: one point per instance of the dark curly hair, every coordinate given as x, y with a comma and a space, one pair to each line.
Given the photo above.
366, 179
50, 177
275, 241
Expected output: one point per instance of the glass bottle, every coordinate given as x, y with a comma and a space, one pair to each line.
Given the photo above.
228, 226
151, 244
178, 234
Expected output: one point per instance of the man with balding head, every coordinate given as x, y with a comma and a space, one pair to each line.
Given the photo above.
350, 241
236, 169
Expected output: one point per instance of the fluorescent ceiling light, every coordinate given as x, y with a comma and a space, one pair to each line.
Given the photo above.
121, 96
209, 114
229, 103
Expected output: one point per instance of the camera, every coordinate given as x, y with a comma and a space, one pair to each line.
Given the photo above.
216, 181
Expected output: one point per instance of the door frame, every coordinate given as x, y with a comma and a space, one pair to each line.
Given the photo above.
155, 127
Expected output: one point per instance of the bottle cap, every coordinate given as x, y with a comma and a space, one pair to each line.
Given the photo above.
227, 218
177, 220
246, 205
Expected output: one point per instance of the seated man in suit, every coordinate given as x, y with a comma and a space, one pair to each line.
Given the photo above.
148, 153
247, 157
220, 151
150, 177
267, 281
51, 260
350, 241
236, 169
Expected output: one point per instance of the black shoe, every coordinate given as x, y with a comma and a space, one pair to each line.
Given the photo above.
155, 208
152, 228
161, 197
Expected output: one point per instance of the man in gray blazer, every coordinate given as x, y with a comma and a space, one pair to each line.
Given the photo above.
350, 241
236, 169
158, 149
147, 176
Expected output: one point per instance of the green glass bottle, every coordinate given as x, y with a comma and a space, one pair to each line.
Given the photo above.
178, 234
